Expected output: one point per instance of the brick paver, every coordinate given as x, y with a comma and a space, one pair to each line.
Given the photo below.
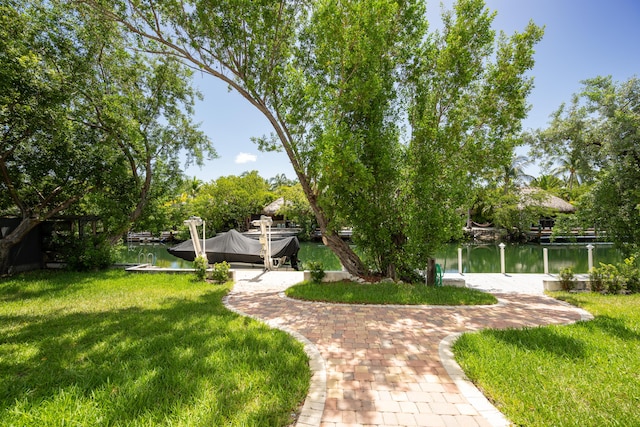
383, 365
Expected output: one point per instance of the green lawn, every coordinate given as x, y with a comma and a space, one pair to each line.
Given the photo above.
119, 349
388, 293
586, 374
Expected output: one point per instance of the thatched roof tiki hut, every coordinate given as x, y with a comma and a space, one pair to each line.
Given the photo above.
536, 197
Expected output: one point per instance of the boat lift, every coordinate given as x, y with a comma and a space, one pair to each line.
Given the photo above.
192, 223
264, 223
265, 240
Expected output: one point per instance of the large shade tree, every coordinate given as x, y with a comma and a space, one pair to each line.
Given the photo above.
600, 132
48, 159
143, 105
337, 81
87, 126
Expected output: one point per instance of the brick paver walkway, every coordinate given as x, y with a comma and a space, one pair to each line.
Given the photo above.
382, 365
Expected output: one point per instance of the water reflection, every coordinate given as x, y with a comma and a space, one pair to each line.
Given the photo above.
151, 253
475, 258
524, 258
310, 251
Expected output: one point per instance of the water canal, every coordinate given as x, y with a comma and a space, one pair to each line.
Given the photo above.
475, 258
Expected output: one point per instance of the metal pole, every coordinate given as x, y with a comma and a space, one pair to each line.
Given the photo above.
502, 263
460, 261
545, 259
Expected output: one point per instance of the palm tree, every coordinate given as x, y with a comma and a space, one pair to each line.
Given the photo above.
568, 168
280, 180
192, 186
514, 173
548, 183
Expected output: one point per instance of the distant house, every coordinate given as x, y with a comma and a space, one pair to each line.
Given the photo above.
536, 197
272, 208
279, 221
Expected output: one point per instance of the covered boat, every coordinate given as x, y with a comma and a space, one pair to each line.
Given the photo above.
234, 247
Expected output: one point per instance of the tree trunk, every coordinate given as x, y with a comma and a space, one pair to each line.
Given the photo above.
431, 272
4, 258
348, 258
143, 198
12, 239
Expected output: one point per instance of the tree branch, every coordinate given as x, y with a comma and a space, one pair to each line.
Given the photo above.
9, 182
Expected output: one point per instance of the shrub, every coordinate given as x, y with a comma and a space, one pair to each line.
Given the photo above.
611, 281
616, 278
630, 274
200, 264
317, 272
220, 273
88, 253
567, 279
596, 280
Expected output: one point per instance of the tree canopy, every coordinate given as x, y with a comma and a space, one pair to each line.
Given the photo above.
385, 123
229, 201
88, 125
599, 131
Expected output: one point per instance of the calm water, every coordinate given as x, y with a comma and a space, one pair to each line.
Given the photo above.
525, 258
475, 258
158, 255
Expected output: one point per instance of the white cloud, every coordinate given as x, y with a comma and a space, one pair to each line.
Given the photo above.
245, 158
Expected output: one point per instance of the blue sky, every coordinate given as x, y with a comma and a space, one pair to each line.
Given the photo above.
583, 39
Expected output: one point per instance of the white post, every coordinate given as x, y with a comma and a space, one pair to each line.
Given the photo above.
264, 239
269, 241
502, 263
460, 261
545, 260
204, 245
590, 249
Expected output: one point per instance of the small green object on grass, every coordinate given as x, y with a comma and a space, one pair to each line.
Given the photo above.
438, 275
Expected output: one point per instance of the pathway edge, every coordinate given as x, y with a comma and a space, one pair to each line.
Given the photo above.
466, 387
313, 407
475, 397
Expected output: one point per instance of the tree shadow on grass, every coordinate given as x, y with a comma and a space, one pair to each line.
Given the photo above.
611, 326
20, 287
545, 339
616, 326
148, 365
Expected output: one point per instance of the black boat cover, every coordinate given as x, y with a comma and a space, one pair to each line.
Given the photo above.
234, 247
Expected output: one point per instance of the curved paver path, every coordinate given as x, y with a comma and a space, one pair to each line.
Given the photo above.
388, 365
